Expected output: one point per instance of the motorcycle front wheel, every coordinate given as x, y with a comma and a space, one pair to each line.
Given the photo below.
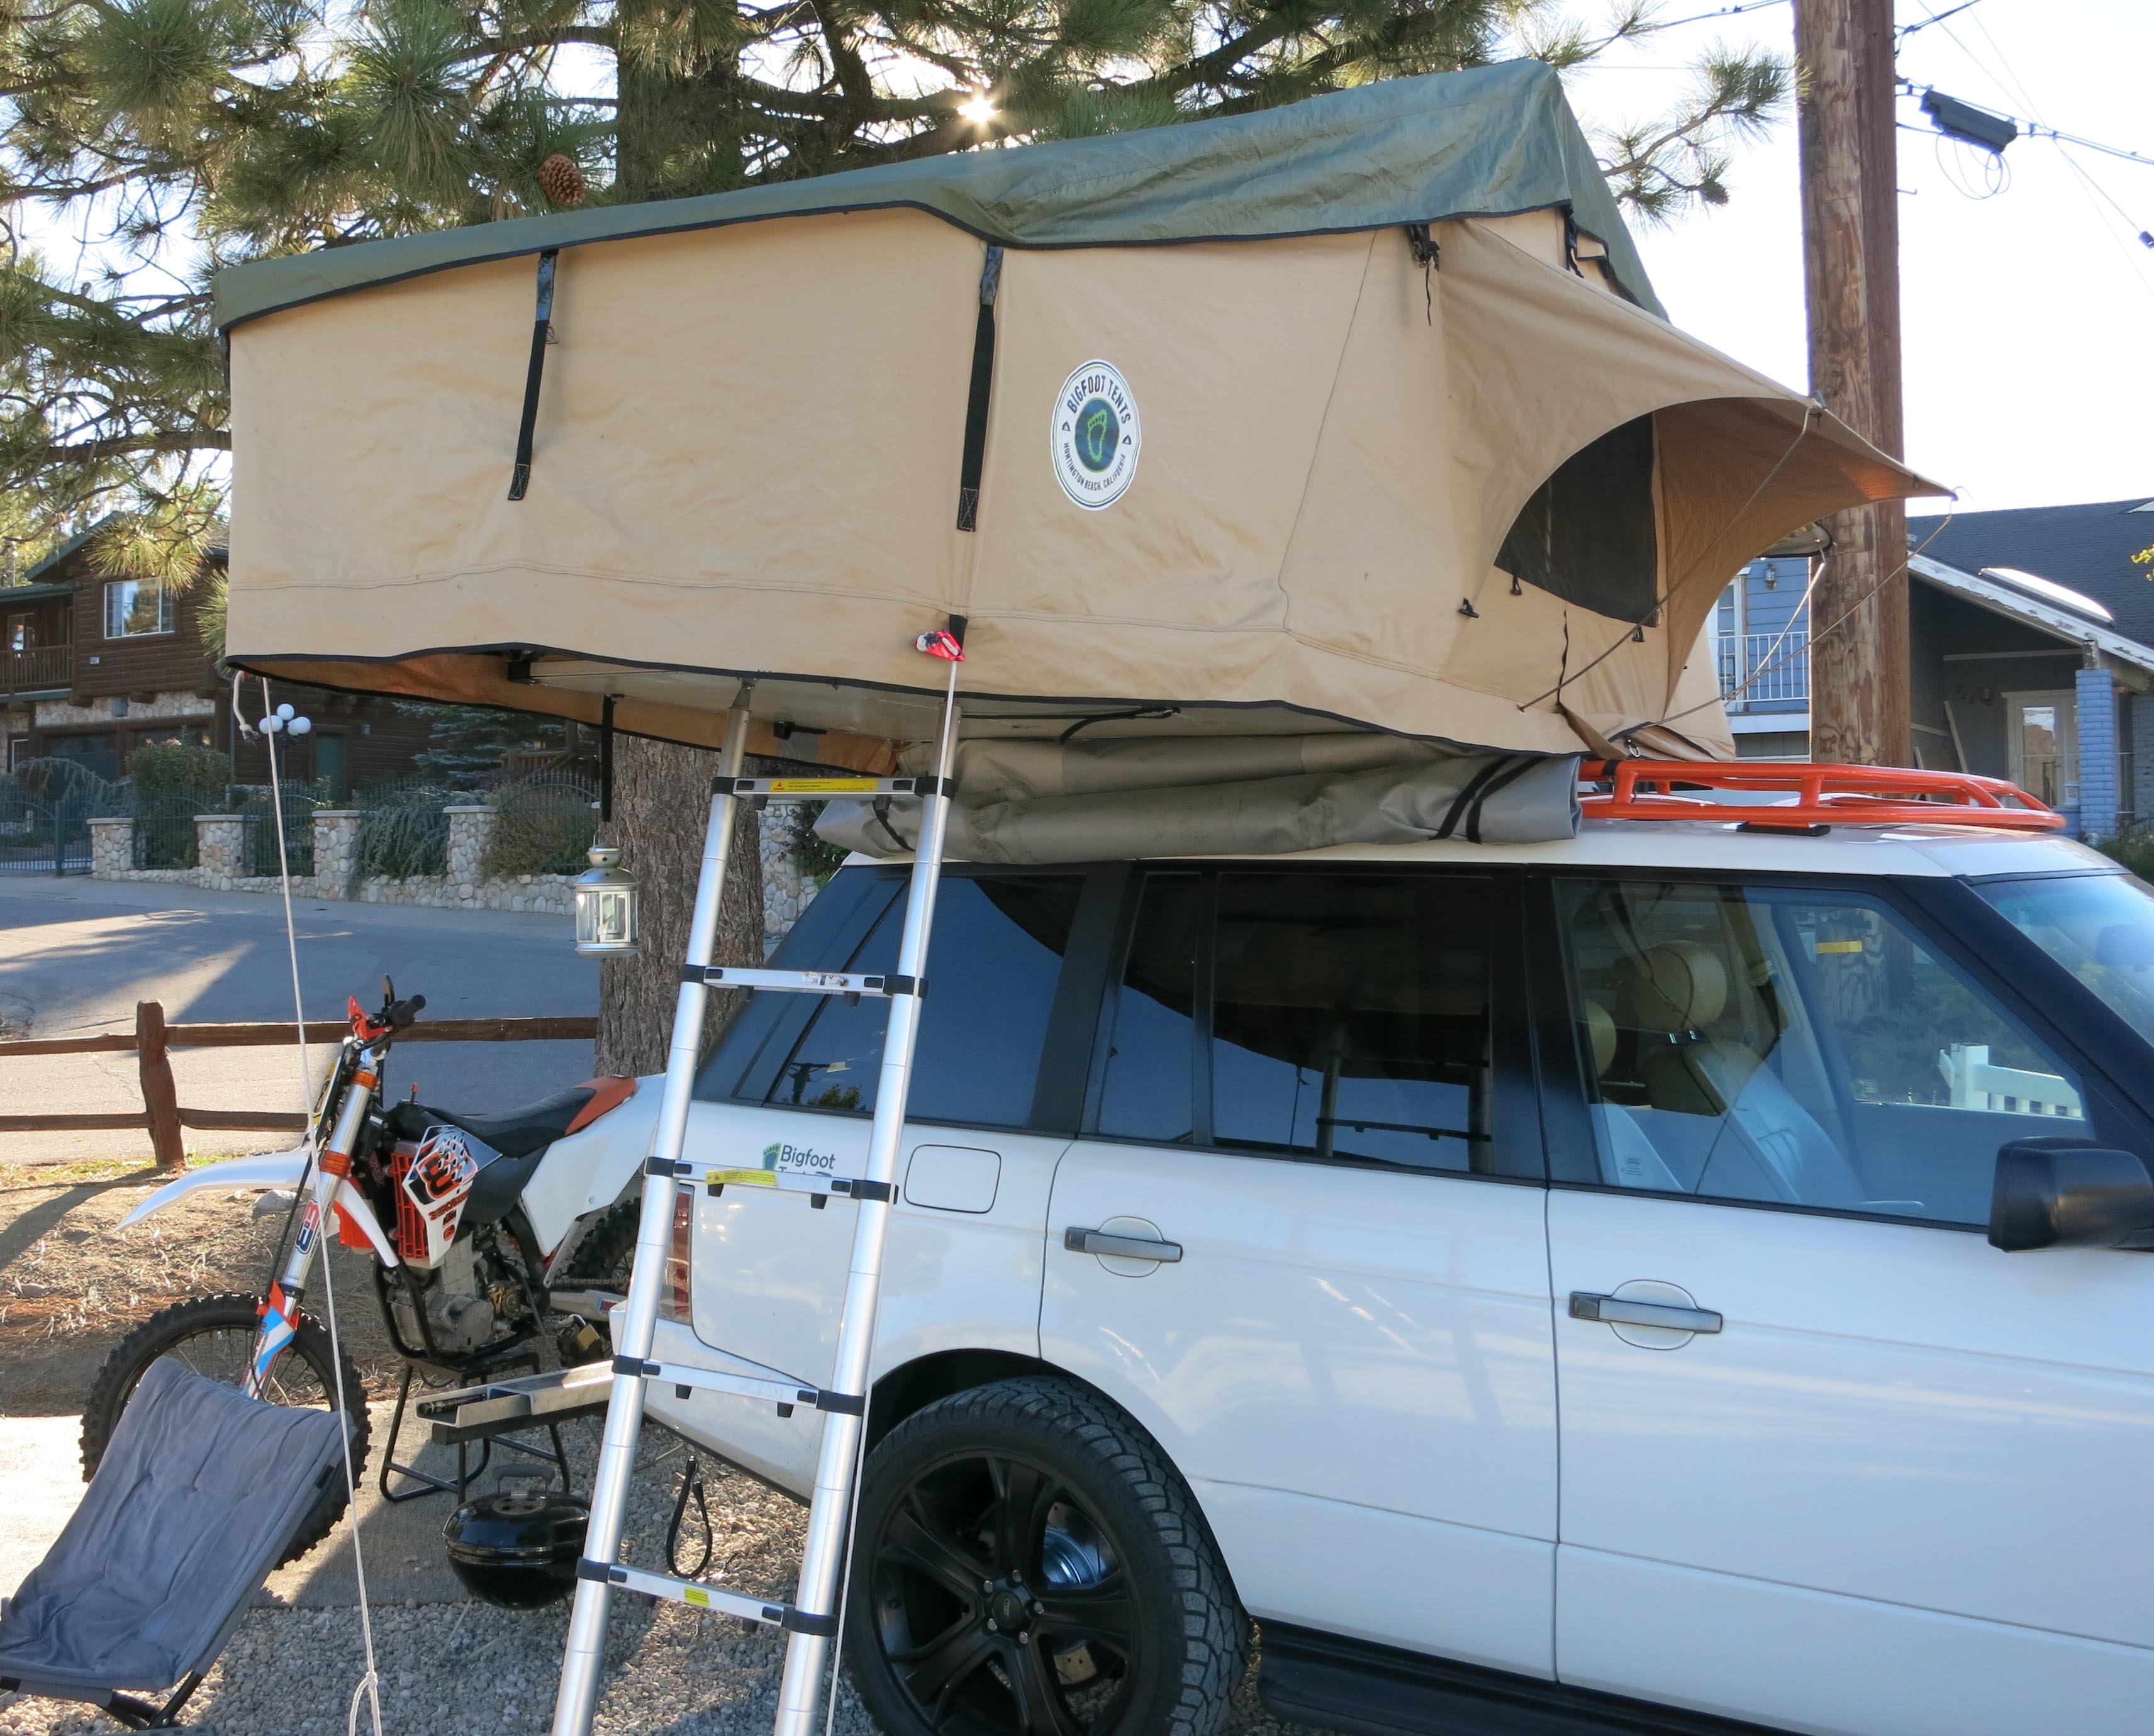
214, 1336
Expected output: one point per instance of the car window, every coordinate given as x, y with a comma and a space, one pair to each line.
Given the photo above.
1149, 1092
2098, 926
1342, 1015
994, 959
1778, 1044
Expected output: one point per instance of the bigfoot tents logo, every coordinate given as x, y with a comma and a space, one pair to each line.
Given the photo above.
1094, 437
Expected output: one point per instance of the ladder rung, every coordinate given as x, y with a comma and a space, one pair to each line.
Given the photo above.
774, 1386
701, 1596
853, 1187
821, 790
853, 983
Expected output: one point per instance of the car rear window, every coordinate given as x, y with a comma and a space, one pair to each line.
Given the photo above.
994, 963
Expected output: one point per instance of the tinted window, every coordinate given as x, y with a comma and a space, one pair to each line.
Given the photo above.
1148, 1093
1780, 1044
2098, 926
993, 961
1346, 1016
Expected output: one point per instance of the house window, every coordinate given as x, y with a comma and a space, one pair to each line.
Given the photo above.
19, 632
134, 607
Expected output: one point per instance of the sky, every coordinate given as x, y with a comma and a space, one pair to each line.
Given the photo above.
2028, 316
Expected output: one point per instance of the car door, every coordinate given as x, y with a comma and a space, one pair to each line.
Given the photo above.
1302, 1243
1829, 1461
995, 1096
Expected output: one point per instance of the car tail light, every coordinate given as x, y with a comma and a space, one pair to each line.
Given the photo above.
675, 1302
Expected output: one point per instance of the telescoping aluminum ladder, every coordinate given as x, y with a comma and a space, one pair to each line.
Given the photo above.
810, 1620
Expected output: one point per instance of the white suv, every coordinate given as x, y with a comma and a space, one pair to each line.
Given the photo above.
1527, 1281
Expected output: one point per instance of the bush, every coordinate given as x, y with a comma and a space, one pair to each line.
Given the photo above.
157, 771
2134, 849
402, 831
543, 825
817, 860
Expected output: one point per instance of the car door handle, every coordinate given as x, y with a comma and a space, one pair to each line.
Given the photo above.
1128, 1247
1615, 1311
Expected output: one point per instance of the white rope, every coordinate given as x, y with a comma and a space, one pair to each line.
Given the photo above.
370, 1683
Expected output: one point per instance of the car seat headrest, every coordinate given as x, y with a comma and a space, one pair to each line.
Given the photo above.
1679, 987
1600, 1028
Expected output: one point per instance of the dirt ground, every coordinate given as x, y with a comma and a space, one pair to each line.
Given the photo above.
71, 1287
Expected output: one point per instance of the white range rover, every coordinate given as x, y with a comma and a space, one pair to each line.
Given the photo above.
1678, 1280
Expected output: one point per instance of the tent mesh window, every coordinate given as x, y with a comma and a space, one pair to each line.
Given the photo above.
1587, 535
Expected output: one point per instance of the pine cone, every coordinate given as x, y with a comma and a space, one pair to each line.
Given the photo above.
561, 181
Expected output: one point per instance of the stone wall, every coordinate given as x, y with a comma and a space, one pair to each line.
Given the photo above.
220, 841
786, 891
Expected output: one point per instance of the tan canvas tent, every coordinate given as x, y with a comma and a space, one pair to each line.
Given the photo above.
1358, 414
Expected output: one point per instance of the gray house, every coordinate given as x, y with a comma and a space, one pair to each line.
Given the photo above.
2031, 639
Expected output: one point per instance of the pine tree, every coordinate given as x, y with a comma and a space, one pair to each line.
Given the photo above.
146, 142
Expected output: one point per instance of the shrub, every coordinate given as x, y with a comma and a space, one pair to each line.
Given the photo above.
155, 771
543, 825
402, 831
2134, 849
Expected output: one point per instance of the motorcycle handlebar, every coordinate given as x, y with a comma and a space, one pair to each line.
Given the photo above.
400, 1014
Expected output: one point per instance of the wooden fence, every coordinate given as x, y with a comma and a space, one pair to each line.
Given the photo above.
162, 1113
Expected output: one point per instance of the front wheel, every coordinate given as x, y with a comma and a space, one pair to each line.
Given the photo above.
214, 1336
1029, 1563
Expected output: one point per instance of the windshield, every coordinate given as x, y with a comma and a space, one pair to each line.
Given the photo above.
2098, 926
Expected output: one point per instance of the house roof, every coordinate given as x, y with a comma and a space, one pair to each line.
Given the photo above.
2087, 548
1489, 141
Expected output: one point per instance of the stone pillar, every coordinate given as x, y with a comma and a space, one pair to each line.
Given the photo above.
471, 830
2097, 728
336, 846
220, 848
111, 849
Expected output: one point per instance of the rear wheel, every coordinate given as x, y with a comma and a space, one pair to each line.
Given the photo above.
214, 1336
1028, 1565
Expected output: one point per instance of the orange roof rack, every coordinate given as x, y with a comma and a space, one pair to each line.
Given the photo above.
1801, 796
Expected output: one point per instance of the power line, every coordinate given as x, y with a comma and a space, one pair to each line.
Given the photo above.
2038, 129
1934, 18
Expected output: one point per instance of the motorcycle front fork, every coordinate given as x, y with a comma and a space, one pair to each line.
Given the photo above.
280, 1308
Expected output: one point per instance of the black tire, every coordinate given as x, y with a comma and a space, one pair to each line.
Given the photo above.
213, 1336
1035, 1501
605, 1253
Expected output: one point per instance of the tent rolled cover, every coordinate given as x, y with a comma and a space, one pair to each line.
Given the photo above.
1033, 802
1356, 415
198, 1494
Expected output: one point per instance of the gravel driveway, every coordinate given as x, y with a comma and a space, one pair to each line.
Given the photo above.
466, 1669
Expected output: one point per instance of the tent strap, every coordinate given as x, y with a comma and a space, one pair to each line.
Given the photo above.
976, 403
542, 335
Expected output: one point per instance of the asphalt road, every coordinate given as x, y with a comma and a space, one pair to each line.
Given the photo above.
77, 954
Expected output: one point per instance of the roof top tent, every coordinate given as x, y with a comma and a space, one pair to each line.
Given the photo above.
1356, 415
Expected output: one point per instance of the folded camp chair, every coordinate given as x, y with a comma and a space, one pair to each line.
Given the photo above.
200, 1492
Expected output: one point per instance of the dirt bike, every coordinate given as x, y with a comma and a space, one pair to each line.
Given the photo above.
496, 1242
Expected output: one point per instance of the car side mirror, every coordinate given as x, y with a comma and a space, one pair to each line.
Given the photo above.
2067, 1193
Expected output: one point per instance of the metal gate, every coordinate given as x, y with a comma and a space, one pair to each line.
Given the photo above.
46, 806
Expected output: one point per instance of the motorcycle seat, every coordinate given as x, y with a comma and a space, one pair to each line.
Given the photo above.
520, 1132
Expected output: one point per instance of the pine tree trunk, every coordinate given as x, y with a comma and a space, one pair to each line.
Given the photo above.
669, 143
661, 802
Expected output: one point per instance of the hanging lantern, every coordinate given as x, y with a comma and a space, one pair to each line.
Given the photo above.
608, 907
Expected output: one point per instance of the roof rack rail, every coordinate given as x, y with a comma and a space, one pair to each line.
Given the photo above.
1801, 796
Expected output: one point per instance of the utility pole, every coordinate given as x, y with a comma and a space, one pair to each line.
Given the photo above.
1847, 130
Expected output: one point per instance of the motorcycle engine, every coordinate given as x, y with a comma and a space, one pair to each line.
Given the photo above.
458, 1318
